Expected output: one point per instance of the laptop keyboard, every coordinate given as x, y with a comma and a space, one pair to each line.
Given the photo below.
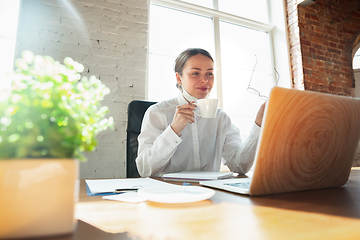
245, 185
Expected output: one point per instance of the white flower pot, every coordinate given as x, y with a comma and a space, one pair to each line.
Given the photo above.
37, 197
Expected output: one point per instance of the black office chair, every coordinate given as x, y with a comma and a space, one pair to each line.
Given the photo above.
136, 111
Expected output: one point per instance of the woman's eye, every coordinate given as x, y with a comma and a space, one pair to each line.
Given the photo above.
195, 73
210, 74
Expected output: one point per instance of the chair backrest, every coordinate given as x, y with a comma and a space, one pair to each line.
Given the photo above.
136, 111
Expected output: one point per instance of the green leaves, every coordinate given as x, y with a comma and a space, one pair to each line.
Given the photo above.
52, 111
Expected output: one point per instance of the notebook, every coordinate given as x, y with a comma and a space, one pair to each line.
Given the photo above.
308, 140
196, 176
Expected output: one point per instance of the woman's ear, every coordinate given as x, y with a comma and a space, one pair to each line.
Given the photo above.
178, 78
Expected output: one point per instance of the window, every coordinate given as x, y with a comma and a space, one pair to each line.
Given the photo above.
356, 60
239, 57
256, 10
9, 12
356, 67
238, 35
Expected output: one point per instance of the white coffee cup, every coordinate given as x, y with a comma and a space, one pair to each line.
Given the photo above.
208, 107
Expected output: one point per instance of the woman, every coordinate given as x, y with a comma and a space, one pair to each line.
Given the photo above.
174, 139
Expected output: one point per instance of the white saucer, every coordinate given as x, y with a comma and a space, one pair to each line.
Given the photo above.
176, 194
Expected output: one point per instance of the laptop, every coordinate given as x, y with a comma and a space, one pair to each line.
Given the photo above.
308, 140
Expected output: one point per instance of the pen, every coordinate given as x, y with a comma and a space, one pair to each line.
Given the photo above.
122, 190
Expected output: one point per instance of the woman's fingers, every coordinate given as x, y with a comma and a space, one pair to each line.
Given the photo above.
184, 114
260, 115
186, 111
190, 106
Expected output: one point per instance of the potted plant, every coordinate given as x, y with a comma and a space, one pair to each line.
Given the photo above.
49, 119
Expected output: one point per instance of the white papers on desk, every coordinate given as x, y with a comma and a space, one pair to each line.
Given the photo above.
155, 189
196, 176
101, 186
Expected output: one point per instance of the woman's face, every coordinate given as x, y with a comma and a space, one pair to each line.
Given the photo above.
198, 76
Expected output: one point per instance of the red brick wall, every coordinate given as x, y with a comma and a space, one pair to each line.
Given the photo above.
322, 36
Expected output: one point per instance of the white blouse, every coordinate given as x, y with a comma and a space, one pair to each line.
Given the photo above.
199, 147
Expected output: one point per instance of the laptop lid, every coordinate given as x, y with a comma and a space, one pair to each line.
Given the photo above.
308, 140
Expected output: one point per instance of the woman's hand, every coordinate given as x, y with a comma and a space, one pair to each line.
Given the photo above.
260, 115
184, 114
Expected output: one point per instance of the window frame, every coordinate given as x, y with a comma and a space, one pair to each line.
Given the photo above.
216, 17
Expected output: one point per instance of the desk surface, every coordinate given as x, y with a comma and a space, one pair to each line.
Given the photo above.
317, 214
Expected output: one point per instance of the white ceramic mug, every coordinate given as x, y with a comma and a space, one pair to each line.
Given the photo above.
208, 107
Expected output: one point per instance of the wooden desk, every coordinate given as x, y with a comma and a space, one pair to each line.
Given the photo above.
318, 214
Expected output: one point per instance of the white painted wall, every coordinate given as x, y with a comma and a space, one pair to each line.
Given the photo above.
109, 37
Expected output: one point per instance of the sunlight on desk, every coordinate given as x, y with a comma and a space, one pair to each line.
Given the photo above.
206, 220
180, 221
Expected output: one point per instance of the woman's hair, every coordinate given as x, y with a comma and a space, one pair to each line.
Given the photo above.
184, 56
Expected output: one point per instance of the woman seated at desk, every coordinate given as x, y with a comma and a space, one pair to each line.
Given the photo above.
174, 139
